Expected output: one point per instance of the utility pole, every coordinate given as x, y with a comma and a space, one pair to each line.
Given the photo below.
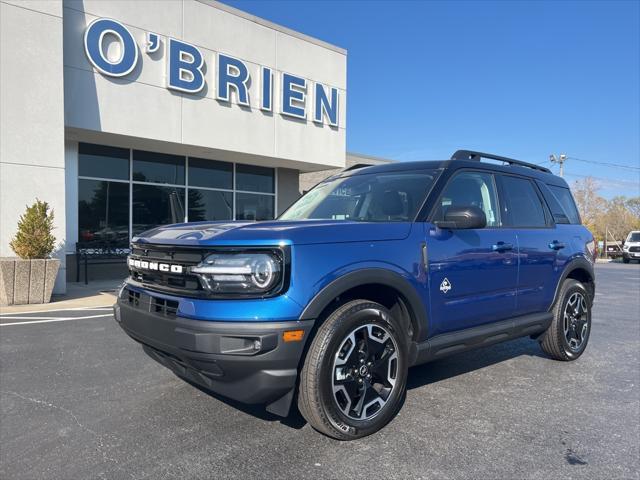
560, 161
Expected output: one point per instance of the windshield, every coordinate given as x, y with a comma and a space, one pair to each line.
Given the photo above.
375, 197
634, 237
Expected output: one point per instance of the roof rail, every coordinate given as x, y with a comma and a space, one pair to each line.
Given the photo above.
476, 156
355, 167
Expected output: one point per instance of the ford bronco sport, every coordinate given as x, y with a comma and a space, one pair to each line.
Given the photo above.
374, 270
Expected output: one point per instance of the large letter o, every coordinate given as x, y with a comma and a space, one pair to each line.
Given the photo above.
93, 42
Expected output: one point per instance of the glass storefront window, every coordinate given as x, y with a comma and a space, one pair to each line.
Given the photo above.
103, 162
158, 167
210, 174
103, 212
154, 206
119, 196
250, 206
255, 179
209, 205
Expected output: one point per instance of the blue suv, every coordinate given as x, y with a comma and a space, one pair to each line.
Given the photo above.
374, 270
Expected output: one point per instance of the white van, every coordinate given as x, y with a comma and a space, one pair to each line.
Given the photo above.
631, 249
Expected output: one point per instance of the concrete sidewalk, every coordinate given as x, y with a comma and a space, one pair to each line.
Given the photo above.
98, 293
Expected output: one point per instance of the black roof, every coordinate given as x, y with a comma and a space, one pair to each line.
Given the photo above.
510, 166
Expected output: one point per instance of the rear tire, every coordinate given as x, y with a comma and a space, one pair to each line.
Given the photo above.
354, 376
568, 335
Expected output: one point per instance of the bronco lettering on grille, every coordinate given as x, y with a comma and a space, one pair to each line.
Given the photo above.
155, 266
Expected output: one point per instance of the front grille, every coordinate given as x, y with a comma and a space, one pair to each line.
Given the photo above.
149, 303
167, 281
634, 249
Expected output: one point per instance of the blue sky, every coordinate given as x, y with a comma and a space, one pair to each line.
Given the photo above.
521, 79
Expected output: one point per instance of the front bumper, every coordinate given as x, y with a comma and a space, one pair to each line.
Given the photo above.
245, 361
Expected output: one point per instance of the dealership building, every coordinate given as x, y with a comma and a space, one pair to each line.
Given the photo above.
124, 115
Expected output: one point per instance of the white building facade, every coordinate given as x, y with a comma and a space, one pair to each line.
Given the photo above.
124, 115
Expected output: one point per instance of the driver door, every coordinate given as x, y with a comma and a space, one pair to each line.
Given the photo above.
473, 273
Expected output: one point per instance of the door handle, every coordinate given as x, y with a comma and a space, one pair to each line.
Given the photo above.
556, 245
502, 247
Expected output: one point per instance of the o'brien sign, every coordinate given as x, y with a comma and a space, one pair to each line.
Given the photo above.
184, 73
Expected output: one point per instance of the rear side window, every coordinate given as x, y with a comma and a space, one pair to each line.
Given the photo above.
522, 206
563, 195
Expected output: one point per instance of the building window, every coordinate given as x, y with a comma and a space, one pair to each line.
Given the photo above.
103, 212
250, 206
255, 196
97, 161
154, 205
212, 205
210, 174
124, 192
250, 178
158, 168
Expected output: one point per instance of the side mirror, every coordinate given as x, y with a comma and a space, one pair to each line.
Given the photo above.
463, 218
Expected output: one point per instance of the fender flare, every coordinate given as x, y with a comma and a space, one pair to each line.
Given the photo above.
575, 264
366, 276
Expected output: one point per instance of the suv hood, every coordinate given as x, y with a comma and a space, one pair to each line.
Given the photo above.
300, 232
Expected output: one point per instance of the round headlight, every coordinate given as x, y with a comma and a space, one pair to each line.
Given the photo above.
263, 271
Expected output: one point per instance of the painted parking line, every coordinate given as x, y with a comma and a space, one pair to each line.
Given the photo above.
96, 308
29, 320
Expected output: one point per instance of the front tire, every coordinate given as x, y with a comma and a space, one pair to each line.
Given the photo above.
354, 376
568, 335
626, 259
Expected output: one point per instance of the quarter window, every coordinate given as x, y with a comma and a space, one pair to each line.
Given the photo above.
471, 189
522, 206
563, 195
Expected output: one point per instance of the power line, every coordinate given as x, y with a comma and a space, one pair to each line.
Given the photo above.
610, 181
607, 164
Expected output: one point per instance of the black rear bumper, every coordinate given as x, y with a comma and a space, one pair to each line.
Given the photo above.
245, 361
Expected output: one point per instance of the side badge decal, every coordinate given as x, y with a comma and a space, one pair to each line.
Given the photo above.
445, 286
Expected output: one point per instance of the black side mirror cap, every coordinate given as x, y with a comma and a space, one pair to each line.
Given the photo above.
462, 218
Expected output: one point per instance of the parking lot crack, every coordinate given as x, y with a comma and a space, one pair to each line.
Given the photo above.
51, 405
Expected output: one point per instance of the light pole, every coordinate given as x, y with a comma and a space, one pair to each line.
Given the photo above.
559, 160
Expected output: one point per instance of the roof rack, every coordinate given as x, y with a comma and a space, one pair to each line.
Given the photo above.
476, 156
355, 167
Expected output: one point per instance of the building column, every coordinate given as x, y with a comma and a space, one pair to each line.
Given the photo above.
32, 163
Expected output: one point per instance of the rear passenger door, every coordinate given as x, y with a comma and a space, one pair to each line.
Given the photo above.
473, 272
524, 211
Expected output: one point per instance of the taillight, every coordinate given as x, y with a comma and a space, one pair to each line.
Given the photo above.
592, 248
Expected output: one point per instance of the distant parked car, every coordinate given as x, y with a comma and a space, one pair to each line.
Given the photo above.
613, 249
631, 249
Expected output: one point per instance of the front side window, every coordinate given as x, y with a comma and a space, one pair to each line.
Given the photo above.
521, 204
375, 197
471, 189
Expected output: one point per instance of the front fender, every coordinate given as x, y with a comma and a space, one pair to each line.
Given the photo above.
365, 276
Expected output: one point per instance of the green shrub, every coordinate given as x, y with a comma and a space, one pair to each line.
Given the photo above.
34, 238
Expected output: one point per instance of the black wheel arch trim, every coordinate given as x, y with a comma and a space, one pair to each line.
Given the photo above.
417, 309
579, 263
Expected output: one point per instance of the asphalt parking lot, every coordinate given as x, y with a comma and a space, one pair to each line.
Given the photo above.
80, 400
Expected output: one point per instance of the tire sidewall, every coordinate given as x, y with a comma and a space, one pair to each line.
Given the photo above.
371, 313
572, 288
